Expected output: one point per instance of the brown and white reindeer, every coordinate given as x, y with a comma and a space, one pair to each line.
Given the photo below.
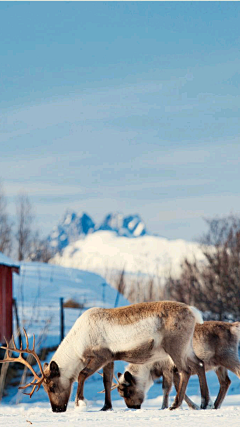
139, 333
215, 343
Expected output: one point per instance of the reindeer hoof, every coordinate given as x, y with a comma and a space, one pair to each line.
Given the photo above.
107, 408
195, 407
81, 406
210, 405
173, 407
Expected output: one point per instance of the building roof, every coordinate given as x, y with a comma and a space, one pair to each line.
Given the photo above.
4, 260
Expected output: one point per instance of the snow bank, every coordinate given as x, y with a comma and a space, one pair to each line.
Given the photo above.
4, 260
150, 255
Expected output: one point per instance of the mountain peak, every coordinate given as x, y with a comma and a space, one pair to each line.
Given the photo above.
72, 227
75, 226
129, 226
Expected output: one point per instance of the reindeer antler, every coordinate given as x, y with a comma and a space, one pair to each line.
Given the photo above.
37, 380
114, 385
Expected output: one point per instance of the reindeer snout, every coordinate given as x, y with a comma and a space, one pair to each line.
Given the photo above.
134, 406
59, 408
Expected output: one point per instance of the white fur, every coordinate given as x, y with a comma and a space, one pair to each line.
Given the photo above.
197, 313
143, 375
106, 333
235, 329
82, 406
86, 334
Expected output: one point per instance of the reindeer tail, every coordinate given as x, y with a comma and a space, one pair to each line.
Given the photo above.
235, 329
197, 314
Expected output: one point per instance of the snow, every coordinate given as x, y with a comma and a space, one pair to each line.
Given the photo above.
122, 226
71, 228
132, 223
68, 219
4, 260
151, 255
75, 226
39, 412
139, 229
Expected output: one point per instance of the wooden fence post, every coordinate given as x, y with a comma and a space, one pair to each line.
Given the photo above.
61, 320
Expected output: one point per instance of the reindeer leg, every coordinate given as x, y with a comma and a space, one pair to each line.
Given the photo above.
178, 355
224, 382
167, 385
188, 401
197, 367
107, 381
232, 364
92, 366
183, 381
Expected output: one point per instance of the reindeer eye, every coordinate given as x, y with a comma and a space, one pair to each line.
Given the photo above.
52, 388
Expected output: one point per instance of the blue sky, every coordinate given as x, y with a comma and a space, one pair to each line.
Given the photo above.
122, 106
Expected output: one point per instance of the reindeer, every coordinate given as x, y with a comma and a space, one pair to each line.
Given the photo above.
140, 333
215, 343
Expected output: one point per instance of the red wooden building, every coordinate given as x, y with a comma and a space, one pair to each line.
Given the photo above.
7, 268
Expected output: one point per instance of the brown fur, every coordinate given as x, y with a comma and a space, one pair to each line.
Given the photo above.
169, 332
141, 353
176, 326
57, 395
169, 312
216, 344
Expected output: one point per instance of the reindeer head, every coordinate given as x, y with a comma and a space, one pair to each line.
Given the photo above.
56, 385
128, 388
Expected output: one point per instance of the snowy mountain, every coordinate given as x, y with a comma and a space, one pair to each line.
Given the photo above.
129, 226
74, 227
121, 243
70, 229
106, 253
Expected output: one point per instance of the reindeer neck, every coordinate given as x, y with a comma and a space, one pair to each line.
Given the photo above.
67, 358
143, 374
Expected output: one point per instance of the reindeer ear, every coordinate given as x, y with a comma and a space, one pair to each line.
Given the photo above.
129, 378
45, 365
119, 374
54, 369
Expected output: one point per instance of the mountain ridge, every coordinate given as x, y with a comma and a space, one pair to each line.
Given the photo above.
75, 226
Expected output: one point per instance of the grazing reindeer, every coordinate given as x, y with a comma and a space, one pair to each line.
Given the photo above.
215, 343
140, 333
134, 384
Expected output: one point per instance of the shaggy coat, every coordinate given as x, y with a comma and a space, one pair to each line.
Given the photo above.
140, 333
215, 343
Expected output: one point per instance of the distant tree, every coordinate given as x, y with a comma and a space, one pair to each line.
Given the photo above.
144, 288
120, 285
5, 226
24, 221
40, 249
213, 285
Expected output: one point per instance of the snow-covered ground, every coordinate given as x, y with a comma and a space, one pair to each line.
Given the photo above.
105, 251
38, 412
